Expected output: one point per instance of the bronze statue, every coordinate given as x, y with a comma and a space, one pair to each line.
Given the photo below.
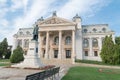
35, 33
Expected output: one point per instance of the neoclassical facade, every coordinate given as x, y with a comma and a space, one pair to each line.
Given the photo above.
65, 40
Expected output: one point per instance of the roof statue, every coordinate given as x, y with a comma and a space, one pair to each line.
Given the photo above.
41, 19
54, 13
76, 16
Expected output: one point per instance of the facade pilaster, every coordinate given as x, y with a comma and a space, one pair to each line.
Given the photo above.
47, 45
73, 46
60, 45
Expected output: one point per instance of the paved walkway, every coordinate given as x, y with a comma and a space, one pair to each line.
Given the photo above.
20, 74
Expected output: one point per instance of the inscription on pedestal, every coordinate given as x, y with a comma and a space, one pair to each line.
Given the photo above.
31, 48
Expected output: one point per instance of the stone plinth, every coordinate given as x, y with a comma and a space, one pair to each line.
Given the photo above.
32, 59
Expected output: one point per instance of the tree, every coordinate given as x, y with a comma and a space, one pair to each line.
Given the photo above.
117, 40
3, 47
108, 50
7, 56
17, 55
116, 54
0, 51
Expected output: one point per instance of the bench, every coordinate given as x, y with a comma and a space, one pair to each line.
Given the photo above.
49, 73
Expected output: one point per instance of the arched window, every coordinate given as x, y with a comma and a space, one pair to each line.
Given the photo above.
95, 42
19, 42
26, 43
56, 40
85, 30
44, 41
104, 29
28, 33
94, 30
68, 40
21, 33
85, 43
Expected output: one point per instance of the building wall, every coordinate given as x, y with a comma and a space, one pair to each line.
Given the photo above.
97, 31
23, 35
78, 44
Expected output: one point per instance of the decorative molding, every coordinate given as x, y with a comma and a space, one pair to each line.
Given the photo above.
54, 21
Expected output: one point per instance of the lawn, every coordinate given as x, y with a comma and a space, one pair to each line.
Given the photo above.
4, 62
90, 73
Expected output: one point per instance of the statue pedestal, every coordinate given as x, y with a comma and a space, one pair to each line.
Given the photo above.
32, 59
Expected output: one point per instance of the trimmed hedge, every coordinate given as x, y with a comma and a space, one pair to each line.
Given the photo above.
90, 62
17, 55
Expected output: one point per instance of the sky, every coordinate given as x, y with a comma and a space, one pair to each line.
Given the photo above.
15, 14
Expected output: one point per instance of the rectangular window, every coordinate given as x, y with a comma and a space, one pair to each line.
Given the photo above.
55, 53
95, 53
43, 53
86, 53
68, 53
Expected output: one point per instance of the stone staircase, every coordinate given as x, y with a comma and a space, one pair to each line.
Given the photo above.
57, 61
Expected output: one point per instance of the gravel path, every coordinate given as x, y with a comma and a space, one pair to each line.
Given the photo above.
15, 74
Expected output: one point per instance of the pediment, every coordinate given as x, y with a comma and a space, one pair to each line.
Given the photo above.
55, 20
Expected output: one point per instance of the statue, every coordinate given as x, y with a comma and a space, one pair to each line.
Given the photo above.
54, 13
35, 33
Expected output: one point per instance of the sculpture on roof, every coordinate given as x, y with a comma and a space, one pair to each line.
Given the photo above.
35, 33
41, 19
54, 13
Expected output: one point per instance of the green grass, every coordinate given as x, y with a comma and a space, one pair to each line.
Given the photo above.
4, 62
90, 73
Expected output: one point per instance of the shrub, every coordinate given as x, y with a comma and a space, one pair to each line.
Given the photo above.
17, 55
89, 61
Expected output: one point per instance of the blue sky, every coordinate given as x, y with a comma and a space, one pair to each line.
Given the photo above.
15, 14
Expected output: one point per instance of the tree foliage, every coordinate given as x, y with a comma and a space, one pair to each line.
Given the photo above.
117, 40
3, 47
17, 55
110, 52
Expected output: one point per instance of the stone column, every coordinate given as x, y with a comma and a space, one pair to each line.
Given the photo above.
60, 45
73, 46
100, 43
23, 42
47, 45
39, 47
15, 43
90, 47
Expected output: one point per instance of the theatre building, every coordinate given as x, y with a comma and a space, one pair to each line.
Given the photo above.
61, 40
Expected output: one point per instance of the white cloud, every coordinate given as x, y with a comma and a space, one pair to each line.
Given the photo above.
34, 9
16, 4
4, 22
2, 3
38, 8
25, 3
83, 7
